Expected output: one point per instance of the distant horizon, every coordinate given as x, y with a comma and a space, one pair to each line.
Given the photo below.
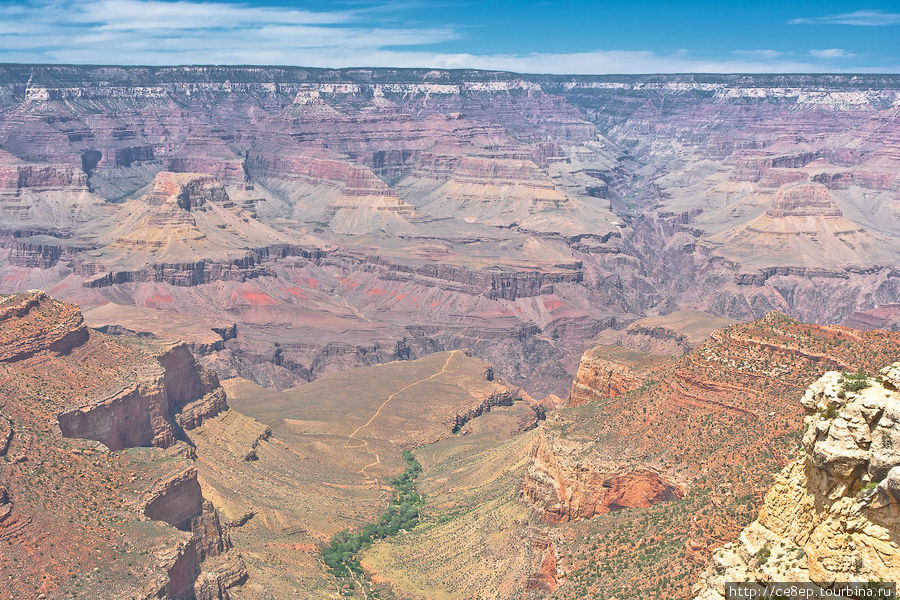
457, 69
576, 37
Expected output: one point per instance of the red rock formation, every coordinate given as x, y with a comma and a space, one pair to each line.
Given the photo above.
34, 322
608, 371
597, 378
564, 490
546, 577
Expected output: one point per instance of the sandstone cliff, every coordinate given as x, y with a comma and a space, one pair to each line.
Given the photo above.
833, 514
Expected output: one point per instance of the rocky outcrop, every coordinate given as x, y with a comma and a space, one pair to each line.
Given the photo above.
833, 514
489, 171
187, 274
193, 413
598, 377
495, 400
125, 393
177, 500
803, 200
138, 415
546, 578
563, 488
350, 179
205, 567
502, 284
6, 434
17, 178
144, 412
188, 190
33, 322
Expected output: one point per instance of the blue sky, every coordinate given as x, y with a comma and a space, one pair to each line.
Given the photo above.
528, 36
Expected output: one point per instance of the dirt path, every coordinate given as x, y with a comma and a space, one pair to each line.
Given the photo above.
364, 444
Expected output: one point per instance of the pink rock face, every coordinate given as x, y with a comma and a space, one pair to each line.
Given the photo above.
14, 178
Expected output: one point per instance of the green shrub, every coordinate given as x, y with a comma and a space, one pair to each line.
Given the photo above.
854, 382
830, 412
869, 486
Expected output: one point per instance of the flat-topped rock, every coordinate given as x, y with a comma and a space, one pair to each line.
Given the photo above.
32, 322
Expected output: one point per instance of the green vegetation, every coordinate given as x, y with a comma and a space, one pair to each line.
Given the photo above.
854, 382
869, 486
342, 553
830, 412
764, 553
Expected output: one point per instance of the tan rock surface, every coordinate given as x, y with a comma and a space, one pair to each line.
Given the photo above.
833, 513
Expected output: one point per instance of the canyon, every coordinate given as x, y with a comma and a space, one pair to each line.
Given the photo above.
235, 298
626, 492
344, 218
172, 485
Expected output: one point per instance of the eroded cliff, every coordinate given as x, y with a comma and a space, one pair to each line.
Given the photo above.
121, 518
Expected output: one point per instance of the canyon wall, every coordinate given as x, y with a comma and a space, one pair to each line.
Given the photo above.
431, 205
123, 392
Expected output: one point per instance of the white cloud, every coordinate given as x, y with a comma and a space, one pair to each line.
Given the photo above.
831, 53
613, 61
864, 18
154, 32
759, 53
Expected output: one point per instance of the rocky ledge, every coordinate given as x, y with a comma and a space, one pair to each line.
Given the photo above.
563, 489
145, 410
833, 514
33, 322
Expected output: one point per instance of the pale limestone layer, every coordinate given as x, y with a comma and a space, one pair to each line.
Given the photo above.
833, 514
